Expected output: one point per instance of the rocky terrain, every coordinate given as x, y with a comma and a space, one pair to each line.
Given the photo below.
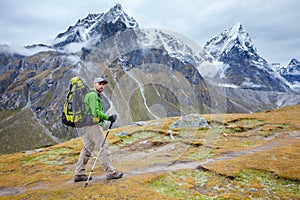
219, 156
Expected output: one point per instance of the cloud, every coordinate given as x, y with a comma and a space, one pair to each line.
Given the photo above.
271, 24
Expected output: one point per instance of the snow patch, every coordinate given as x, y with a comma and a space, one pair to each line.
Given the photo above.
227, 85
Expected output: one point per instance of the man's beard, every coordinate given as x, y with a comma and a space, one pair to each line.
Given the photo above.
99, 91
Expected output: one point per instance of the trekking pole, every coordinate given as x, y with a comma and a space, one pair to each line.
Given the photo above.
101, 148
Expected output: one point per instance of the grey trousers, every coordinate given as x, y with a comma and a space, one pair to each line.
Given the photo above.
93, 136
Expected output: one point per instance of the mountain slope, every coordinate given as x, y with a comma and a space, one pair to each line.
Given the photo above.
152, 74
244, 67
39, 82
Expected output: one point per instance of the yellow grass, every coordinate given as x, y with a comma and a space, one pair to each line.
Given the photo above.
257, 155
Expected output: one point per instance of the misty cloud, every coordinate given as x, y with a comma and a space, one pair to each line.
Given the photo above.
271, 24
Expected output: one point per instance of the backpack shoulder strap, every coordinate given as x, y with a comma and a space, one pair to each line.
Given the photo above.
88, 93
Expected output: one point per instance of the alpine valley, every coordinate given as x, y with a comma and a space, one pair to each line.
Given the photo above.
152, 74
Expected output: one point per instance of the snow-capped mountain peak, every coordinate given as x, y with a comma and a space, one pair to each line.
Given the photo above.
244, 67
294, 62
293, 68
81, 28
292, 74
225, 41
117, 13
100, 26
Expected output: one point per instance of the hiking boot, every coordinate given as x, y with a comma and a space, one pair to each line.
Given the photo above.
79, 178
115, 175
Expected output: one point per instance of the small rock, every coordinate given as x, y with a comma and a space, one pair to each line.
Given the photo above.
252, 189
140, 123
144, 142
170, 132
122, 134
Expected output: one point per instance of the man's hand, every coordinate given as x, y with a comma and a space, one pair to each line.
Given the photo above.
112, 118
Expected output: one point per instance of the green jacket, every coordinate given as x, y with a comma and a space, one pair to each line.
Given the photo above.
93, 104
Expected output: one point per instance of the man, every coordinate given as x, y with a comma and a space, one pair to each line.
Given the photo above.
94, 135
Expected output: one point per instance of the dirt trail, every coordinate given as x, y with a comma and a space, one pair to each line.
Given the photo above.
191, 165
157, 168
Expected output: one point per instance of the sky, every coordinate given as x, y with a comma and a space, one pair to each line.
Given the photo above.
272, 25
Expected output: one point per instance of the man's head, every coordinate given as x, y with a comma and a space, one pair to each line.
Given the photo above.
99, 83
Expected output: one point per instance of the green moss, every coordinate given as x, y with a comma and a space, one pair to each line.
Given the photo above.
195, 154
249, 143
258, 183
195, 184
51, 156
137, 136
244, 124
168, 186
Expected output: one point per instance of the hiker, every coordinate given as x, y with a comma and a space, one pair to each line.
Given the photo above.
94, 135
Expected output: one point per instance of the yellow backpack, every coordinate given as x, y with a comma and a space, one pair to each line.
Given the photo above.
73, 111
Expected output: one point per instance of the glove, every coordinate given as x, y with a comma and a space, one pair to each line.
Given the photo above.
112, 118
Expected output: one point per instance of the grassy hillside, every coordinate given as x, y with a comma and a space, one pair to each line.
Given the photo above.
19, 129
243, 156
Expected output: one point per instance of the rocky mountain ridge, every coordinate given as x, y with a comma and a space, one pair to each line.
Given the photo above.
95, 28
152, 74
245, 69
291, 73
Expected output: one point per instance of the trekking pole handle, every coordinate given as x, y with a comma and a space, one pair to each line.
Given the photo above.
111, 123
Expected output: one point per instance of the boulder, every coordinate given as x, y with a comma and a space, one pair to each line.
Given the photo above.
190, 121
